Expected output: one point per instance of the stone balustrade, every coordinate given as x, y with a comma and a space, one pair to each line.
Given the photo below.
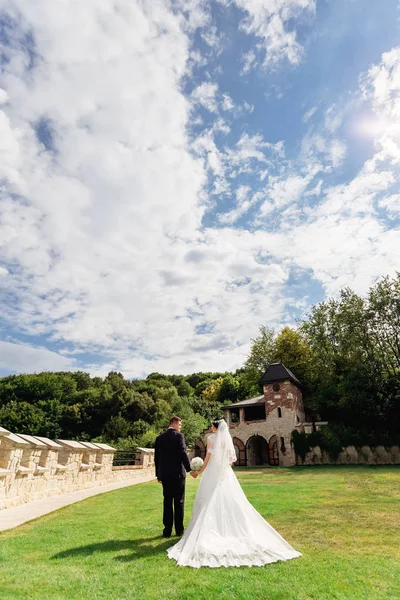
33, 467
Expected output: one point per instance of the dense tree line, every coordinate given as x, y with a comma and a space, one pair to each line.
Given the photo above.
128, 413
346, 353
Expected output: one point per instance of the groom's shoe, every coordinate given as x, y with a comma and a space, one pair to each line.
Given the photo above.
180, 533
166, 533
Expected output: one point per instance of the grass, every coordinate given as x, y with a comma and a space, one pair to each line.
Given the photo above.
345, 521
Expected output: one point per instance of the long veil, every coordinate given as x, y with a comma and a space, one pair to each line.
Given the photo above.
225, 529
224, 451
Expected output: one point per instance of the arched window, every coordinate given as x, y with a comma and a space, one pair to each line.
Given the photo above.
283, 447
279, 412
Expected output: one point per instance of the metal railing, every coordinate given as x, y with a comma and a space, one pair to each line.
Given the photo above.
124, 457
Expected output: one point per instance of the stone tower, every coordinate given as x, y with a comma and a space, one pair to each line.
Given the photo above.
284, 407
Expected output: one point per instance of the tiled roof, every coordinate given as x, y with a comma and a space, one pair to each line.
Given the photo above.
249, 402
278, 372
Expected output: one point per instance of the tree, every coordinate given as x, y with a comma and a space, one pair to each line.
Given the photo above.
192, 423
229, 389
294, 351
22, 417
205, 401
184, 389
116, 428
262, 353
383, 314
355, 345
210, 393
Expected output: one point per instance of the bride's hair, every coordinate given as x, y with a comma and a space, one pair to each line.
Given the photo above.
217, 422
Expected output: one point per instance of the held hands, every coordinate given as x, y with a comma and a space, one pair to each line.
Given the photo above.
194, 474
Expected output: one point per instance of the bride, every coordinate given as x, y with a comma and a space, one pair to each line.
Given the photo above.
225, 530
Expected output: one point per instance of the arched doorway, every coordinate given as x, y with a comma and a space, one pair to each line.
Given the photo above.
257, 451
200, 449
273, 454
240, 452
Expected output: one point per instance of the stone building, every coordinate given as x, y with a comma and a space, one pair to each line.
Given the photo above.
261, 427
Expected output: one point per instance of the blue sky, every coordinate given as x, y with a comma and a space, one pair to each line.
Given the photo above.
175, 174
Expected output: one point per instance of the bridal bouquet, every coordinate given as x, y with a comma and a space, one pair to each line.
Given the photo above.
196, 463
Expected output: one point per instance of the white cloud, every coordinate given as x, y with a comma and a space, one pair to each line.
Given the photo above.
3, 96
196, 13
23, 358
101, 228
315, 191
227, 103
267, 20
96, 222
333, 118
205, 95
337, 151
210, 36
105, 233
243, 204
381, 86
307, 115
358, 196
391, 204
384, 82
284, 191
250, 148
321, 147
249, 62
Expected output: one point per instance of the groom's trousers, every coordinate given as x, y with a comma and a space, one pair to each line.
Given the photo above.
174, 499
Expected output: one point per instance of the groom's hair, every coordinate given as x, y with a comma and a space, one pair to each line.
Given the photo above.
174, 420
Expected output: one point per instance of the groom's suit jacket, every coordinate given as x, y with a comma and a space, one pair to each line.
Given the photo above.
170, 455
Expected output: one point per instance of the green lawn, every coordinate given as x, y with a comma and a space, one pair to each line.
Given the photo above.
345, 521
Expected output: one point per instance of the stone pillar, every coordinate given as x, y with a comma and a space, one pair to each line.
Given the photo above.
39, 455
71, 456
15, 454
38, 465
107, 457
144, 457
241, 415
93, 458
228, 417
56, 470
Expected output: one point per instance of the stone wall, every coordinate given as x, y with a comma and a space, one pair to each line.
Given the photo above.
354, 456
281, 427
33, 467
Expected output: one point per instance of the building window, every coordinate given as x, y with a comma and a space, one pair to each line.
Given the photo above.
283, 447
255, 413
279, 412
235, 417
276, 387
297, 417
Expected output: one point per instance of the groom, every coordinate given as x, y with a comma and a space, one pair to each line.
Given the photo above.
172, 462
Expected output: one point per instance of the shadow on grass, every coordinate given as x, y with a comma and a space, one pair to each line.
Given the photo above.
138, 548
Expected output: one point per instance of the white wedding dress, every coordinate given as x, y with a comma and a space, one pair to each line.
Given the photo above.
225, 530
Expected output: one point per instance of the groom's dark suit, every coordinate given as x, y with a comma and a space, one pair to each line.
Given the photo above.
172, 462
